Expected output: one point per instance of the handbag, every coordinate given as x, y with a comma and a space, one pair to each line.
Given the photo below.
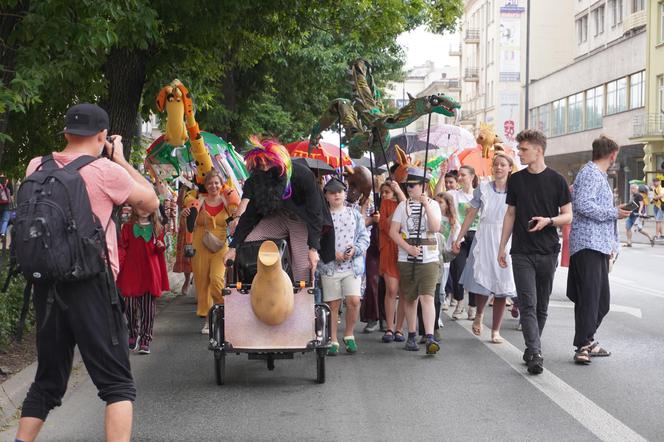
211, 242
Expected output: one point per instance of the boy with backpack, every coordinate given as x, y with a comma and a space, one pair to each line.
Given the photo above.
66, 245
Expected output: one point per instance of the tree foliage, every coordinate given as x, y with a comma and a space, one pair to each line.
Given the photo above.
253, 66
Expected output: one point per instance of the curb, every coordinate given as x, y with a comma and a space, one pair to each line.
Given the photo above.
14, 389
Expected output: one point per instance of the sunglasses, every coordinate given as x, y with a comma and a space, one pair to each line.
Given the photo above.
411, 185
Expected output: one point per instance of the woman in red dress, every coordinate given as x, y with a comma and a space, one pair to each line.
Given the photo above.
143, 275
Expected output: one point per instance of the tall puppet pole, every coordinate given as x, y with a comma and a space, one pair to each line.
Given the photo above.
424, 181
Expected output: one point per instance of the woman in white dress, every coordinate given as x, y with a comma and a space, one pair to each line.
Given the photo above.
482, 275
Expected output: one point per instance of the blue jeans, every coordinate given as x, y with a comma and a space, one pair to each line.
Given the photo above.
4, 222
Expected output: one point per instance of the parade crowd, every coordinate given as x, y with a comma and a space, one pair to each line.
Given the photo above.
396, 263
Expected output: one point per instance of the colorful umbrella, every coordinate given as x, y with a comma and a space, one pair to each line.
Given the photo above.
168, 161
449, 136
324, 151
473, 157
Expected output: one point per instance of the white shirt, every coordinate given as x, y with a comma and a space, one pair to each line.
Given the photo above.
407, 214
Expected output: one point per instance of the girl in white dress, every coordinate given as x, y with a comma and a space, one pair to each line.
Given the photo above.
482, 275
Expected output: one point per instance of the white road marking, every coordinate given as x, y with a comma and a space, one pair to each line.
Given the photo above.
597, 420
634, 311
637, 289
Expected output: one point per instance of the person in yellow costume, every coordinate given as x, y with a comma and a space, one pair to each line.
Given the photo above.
209, 241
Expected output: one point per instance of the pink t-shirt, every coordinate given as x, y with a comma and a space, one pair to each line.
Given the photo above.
108, 184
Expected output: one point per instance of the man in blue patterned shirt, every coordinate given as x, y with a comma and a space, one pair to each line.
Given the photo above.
593, 242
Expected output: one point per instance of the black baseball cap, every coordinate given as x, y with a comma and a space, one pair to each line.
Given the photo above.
85, 119
335, 185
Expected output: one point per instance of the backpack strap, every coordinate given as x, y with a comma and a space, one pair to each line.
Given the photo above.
47, 162
80, 162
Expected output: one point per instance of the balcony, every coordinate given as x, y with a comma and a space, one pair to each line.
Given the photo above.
634, 21
467, 117
648, 126
471, 75
455, 51
472, 36
452, 84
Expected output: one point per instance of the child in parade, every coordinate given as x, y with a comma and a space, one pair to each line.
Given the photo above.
482, 276
391, 195
342, 278
143, 275
414, 225
449, 230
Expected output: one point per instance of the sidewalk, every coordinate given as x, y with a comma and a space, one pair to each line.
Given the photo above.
14, 389
637, 238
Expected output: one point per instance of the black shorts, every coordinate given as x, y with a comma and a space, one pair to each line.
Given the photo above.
82, 316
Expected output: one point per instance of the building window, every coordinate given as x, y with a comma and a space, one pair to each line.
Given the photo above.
594, 107
616, 96
661, 22
575, 113
660, 93
616, 11
558, 117
532, 122
598, 20
543, 119
637, 90
582, 29
638, 5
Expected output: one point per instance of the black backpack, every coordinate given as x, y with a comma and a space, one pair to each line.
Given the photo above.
57, 237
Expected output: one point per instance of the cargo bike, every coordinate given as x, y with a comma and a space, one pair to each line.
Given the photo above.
235, 329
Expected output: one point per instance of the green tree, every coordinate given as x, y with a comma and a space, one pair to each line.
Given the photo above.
253, 66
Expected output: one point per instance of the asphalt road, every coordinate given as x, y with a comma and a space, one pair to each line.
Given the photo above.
472, 390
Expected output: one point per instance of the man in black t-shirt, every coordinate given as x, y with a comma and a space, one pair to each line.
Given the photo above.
538, 201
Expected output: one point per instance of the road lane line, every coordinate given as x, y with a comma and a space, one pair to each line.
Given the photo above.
634, 311
597, 420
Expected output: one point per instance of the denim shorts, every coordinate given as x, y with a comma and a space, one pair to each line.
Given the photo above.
630, 221
659, 214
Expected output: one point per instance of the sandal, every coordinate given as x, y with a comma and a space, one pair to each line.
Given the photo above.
582, 356
399, 337
388, 336
477, 325
595, 350
496, 338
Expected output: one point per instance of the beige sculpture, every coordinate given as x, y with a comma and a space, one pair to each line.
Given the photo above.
271, 292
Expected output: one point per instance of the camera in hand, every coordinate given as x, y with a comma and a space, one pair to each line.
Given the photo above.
531, 224
104, 152
189, 251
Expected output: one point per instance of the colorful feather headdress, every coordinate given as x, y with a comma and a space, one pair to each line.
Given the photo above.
270, 153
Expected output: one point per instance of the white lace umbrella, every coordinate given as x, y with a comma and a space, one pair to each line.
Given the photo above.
449, 137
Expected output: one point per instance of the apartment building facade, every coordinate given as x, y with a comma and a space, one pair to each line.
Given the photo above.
492, 65
599, 90
648, 127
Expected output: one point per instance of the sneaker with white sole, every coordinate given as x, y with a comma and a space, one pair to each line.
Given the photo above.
371, 326
446, 304
472, 311
206, 329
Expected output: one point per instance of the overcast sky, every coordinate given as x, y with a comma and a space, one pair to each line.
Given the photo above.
421, 46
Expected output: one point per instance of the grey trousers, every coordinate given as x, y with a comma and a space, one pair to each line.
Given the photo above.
533, 277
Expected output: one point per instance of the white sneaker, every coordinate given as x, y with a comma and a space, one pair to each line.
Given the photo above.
453, 302
471, 313
518, 326
205, 330
458, 310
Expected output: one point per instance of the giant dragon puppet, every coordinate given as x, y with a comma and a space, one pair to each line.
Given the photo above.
365, 124
175, 99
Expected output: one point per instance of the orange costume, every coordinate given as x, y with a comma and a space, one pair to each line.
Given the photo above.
388, 249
